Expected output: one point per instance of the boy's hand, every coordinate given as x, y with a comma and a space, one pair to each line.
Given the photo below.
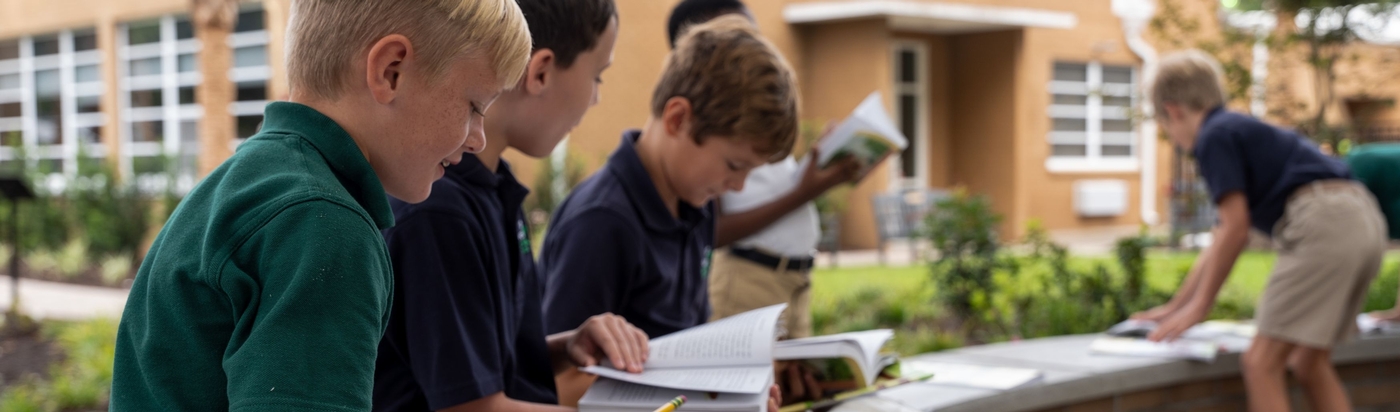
612, 336
775, 398
1156, 314
1178, 322
796, 380
817, 180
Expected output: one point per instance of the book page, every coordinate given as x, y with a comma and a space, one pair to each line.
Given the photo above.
863, 347
972, 376
867, 127
608, 393
745, 339
1179, 349
751, 379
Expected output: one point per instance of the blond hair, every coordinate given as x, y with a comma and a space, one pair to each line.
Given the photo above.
326, 36
737, 83
1190, 78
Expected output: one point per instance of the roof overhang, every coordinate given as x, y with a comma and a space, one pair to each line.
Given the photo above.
941, 18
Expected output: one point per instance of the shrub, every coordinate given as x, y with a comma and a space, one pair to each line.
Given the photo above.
1383, 291
963, 230
543, 196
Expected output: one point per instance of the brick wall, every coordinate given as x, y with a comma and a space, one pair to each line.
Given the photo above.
1373, 387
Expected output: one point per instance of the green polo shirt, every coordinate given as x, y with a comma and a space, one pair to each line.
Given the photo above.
1377, 165
269, 287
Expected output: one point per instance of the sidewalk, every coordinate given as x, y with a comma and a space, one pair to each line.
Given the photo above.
52, 300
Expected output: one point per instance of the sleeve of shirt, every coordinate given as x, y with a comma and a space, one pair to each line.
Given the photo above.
1221, 163
323, 298
449, 313
587, 261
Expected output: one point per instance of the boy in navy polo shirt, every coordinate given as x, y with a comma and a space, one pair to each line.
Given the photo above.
269, 287
466, 332
635, 238
1328, 229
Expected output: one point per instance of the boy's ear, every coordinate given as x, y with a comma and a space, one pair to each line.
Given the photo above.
384, 66
539, 73
1173, 111
676, 116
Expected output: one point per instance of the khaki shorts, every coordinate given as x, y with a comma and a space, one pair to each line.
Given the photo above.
1330, 242
738, 285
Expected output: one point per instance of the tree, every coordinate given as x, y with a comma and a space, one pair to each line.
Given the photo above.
1325, 29
213, 21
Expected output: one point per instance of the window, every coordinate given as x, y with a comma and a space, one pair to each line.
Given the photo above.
159, 82
1091, 118
50, 93
911, 111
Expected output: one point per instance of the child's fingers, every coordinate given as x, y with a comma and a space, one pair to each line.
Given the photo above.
582, 356
603, 337
620, 329
796, 386
640, 339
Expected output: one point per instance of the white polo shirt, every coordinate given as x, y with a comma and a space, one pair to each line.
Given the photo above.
795, 235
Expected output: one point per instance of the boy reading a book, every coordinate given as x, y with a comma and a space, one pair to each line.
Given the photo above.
1328, 229
467, 330
269, 287
635, 238
771, 227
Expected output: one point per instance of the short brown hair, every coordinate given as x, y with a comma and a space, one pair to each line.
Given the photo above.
737, 83
1189, 78
326, 36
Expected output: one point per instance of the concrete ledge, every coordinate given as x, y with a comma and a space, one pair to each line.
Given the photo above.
1073, 377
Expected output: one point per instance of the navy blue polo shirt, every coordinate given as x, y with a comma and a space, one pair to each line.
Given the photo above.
613, 246
1237, 153
466, 321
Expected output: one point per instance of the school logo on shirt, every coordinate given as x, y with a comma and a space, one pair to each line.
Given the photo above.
523, 234
705, 263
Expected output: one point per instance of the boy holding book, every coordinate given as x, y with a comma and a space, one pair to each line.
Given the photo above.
635, 238
467, 331
269, 287
1328, 228
770, 228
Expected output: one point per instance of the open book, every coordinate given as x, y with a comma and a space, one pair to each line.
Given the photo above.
860, 351
617, 396
731, 355
973, 376
1135, 347
1369, 324
1231, 335
867, 134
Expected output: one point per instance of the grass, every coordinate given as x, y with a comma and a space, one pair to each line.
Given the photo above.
1164, 271
856, 298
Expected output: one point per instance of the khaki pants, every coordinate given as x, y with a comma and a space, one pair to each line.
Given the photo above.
1330, 243
738, 285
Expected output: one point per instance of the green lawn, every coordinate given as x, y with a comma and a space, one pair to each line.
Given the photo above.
1164, 272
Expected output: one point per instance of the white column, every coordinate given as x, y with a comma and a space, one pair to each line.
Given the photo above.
29, 108
1135, 15
68, 104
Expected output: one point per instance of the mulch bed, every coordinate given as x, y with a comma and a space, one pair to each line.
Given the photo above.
25, 355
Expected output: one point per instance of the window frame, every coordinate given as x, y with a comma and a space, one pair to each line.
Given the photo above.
919, 141
66, 61
1094, 113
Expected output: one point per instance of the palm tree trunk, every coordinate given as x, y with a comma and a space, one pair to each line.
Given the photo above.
213, 22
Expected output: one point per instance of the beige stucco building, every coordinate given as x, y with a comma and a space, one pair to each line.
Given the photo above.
1034, 104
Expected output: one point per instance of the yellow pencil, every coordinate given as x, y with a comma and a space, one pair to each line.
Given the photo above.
672, 405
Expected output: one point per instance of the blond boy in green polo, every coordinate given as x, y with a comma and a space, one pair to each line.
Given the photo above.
269, 288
